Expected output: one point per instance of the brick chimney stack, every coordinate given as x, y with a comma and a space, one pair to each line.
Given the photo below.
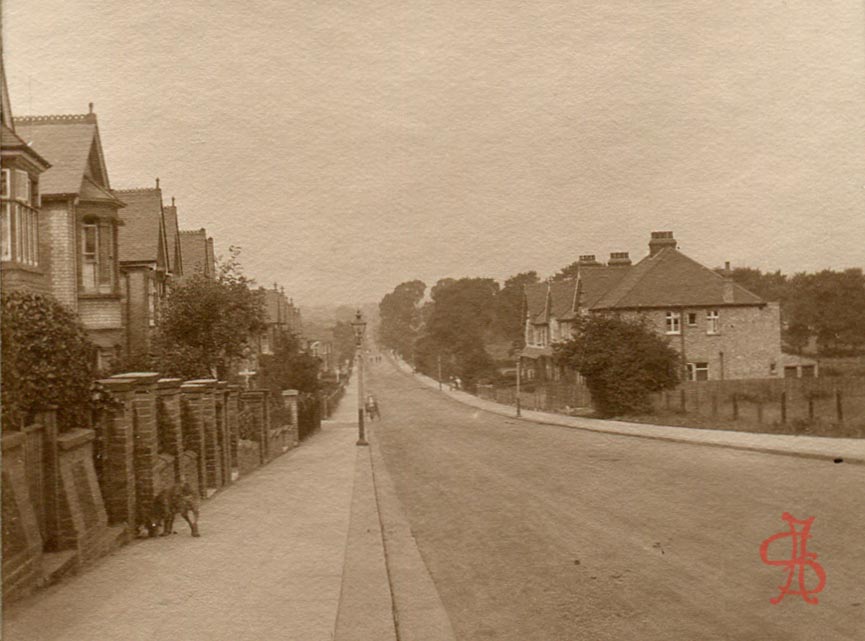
660, 240
588, 260
619, 259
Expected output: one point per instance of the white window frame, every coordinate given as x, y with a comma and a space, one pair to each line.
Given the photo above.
22, 179
6, 231
90, 259
694, 368
713, 322
673, 323
151, 302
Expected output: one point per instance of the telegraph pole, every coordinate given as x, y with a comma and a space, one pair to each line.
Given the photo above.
440, 372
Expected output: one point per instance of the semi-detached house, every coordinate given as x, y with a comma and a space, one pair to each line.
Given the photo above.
720, 329
78, 222
145, 264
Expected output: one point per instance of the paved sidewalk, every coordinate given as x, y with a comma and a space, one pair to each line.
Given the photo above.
851, 450
269, 564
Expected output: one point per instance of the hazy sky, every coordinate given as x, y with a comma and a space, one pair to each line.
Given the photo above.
349, 146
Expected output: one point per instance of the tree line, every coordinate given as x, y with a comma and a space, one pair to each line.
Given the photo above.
468, 326
821, 312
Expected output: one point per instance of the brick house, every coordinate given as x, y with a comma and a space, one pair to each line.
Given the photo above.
78, 220
720, 329
196, 248
144, 264
280, 315
23, 260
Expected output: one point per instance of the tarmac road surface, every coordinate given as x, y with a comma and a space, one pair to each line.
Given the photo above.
535, 532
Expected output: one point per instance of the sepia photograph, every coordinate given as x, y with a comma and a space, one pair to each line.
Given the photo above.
457, 320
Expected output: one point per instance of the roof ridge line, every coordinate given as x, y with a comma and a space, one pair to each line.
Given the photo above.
65, 118
129, 189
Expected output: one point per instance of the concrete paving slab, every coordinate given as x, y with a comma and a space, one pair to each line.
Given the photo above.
366, 605
268, 565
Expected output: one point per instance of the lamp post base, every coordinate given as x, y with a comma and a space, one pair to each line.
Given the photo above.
361, 435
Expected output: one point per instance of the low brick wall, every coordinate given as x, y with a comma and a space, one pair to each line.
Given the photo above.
276, 442
22, 543
248, 455
189, 468
83, 523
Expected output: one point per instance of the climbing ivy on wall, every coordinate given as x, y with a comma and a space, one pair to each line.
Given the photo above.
47, 359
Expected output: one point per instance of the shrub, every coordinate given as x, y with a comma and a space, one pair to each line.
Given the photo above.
623, 361
47, 360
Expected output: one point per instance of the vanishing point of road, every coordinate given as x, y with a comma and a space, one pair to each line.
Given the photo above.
535, 532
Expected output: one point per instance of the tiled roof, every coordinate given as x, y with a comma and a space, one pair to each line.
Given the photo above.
671, 279
142, 232
193, 246
536, 296
593, 281
172, 231
67, 143
12, 141
668, 279
530, 351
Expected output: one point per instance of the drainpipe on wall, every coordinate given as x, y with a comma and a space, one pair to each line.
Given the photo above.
682, 324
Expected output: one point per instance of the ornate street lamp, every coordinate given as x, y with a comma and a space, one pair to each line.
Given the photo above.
359, 326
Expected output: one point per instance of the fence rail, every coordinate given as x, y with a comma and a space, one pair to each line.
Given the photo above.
790, 404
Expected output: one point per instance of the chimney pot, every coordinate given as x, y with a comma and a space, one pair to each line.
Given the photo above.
622, 259
661, 240
157, 182
588, 260
90, 107
727, 266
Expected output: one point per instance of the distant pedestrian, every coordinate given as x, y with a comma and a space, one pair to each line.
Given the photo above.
372, 408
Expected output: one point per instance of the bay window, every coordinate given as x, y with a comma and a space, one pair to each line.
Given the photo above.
97, 256
19, 221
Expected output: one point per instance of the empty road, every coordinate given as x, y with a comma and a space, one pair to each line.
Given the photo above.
545, 533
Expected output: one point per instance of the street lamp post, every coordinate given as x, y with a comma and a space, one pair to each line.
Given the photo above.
359, 326
519, 372
440, 372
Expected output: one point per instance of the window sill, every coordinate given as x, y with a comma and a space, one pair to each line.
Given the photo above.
14, 264
97, 296
713, 333
673, 333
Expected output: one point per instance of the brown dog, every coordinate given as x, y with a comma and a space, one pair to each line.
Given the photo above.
177, 499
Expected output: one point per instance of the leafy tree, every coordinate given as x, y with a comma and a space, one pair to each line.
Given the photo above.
47, 360
770, 286
343, 341
569, 271
509, 316
461, 317
622, 360
400, 316
288, 367
207, 323
831, 305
